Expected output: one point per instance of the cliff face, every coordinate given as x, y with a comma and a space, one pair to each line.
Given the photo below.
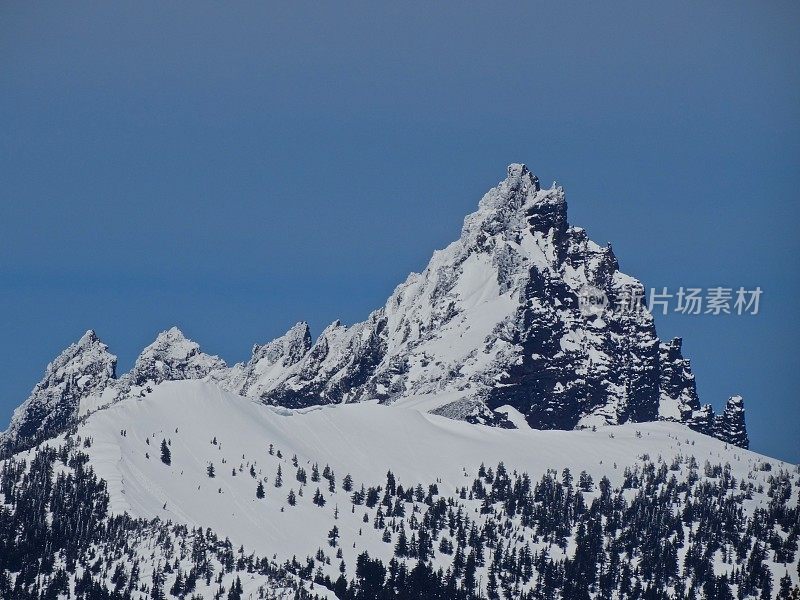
730, 426
84, 368
522, 310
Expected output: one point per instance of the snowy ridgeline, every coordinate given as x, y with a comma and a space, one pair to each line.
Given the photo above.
494, 320
369, 501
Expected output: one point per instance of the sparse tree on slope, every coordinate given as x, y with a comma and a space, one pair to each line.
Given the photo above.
166, 455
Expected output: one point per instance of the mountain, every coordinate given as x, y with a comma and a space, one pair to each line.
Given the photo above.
85, 368
172, 357
498, 320
507, 425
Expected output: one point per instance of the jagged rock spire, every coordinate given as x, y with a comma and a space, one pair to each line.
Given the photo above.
82, 369
678, 390
676, 382
172, 356
269, 362
288, 349
730, 426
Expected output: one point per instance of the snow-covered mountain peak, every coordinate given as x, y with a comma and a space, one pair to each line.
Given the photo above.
88, 338
519, 177
173, 356
173, 340
502, 210
80, 370
494, 322
88, 360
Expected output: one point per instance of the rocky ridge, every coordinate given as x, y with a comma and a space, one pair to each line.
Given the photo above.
502, 317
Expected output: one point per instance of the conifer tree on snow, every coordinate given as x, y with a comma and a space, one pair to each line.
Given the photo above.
166, 455
347, 483
157, 589
333, 536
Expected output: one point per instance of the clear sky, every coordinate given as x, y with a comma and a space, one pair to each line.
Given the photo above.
235, 167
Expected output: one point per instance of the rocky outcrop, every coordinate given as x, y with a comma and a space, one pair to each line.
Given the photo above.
83, 379
679, 400
730, 426
172, 357
268, 363
84, 368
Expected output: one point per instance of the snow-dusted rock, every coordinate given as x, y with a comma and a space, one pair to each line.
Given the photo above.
523, 311
82, 369
268, 363
730, 426
676, 382
497, 319
172, 357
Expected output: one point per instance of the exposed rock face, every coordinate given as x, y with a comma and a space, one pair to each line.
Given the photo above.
172, 357
499, 318
496, 319
679, 401
82, 369
578, 364
678, 390
83, 379
522, 311
730, 426
268, 363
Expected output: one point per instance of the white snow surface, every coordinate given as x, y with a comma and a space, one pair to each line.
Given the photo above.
363, 439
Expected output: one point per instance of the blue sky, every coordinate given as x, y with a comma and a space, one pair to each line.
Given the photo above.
234, 169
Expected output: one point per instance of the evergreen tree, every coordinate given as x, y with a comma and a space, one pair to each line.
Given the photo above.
347, 483
166, 455
235, 593
260, 490
157, 587
333, 536
401, 547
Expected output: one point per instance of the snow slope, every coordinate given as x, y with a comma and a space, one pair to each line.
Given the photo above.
364, 439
